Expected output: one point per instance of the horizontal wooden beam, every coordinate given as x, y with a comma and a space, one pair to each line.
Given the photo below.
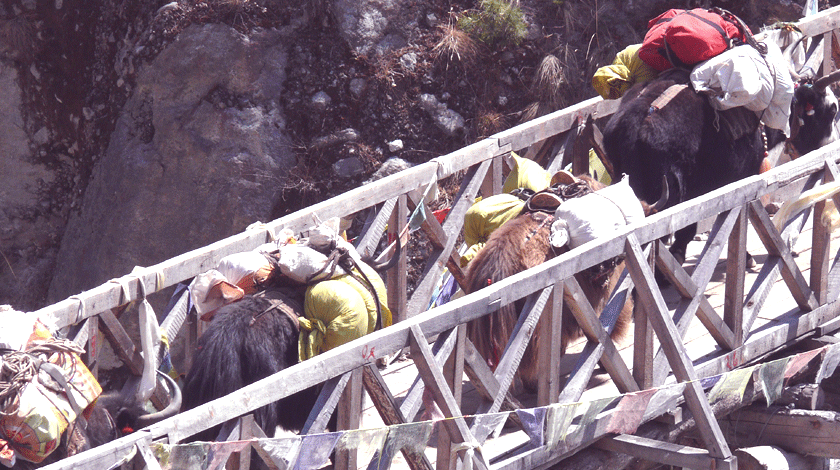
665, 453
808, 432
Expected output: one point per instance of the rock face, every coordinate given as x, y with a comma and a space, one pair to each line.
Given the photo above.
27, 229
197, 155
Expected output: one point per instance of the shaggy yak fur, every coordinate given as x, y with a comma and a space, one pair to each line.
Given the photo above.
685, 140
232, 353
520, 244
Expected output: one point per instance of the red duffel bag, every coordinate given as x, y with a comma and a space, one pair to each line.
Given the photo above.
683, 38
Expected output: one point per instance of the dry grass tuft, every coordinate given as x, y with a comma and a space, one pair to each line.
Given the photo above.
549, 80
455, 43
489, 122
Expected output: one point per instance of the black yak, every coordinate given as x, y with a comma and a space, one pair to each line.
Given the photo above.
698, 148
246, 341
520, 244
253, 338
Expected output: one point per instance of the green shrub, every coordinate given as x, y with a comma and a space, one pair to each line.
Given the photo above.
496, 23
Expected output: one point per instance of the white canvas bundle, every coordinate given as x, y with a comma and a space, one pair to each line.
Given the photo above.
238, 266
594, 215
300, 262
326, 235
742, 77
200, 287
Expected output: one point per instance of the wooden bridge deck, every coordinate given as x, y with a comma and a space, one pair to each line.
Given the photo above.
780, 305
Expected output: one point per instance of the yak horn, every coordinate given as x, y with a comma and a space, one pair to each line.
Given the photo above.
823, 82
170, 410
663, 199
386, 265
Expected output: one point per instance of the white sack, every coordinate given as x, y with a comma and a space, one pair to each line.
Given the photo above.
742, 77
299, 262
594, 215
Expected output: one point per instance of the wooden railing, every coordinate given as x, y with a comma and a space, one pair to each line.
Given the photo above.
732, 207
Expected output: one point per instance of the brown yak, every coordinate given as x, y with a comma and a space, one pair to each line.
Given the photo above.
520, 244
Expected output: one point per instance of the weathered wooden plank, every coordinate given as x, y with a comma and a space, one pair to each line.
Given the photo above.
776, 246
454, 222
122, 344
397, 277
579, 376
643, 350
669, 337
800, 431
387, 407
771, 269
587, 319
515, 348
443, 347
324, 407
453, 372
665, 453
548, 388
435, 381
736, 267
696, 302
485, 383
349, 416
546, 126
492, 183
369, 238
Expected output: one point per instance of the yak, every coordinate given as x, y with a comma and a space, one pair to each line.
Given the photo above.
663, 127
520, 244
246, 341
251, 339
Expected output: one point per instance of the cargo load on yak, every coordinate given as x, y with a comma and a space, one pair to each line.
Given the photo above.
343, 297
44, 388
726, 62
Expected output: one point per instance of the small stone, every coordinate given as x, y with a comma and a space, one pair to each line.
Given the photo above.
502, 100
347, 168
409, 61
321, 101
395, 145
357, 87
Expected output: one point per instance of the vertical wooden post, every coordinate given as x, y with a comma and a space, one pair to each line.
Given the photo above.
736, 267
643, 336
492, 183
453, 372
548, 389
92, 348
396, 282
350, 417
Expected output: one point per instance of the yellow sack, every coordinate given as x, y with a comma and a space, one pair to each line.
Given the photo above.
489, 214
471, 253
340, 310
597, 169
612, 81
526, 173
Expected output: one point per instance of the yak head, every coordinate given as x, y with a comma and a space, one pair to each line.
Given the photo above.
814, 107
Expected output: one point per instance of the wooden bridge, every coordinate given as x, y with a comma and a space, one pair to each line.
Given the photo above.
751, 315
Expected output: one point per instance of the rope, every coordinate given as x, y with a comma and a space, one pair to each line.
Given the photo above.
19, 368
